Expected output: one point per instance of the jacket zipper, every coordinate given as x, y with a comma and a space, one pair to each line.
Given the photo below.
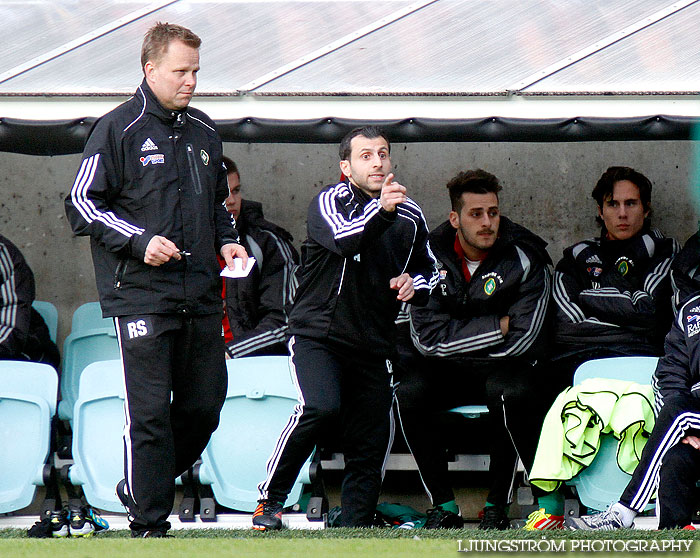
194, 171
119, 274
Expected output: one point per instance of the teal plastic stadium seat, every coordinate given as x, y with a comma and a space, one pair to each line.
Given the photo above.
259, 402
27, 403
633, 368
50, 314
98, 426
88, 316
93, 338
602, 482
470, 411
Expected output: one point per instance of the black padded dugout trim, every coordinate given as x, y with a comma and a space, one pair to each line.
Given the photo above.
34, 137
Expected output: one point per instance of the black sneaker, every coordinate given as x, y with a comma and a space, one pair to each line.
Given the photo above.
84, 521
267, 516
60, 526
443, 519
495, 517
79, 524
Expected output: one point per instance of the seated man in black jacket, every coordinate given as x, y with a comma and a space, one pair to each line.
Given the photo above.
23, 333
612, 294
255, 307
685, 272
482, 332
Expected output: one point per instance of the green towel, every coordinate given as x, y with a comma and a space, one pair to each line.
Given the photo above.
571, 430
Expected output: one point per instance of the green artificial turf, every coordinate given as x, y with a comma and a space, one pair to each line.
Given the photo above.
328, 543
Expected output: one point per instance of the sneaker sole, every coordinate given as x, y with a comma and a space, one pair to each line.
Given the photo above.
83, 532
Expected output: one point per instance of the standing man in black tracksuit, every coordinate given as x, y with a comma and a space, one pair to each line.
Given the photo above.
150, 194
256, 306
366, 252
670, 460
480, 335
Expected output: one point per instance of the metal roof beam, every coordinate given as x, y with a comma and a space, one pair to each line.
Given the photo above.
599, 45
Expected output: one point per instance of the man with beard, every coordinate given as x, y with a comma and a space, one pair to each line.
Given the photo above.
481, 335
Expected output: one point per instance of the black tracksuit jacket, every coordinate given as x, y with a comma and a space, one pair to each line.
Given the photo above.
150, 171
678, 371
257, 305
23, 332
461, 319
353, 249
685, 272
615, 293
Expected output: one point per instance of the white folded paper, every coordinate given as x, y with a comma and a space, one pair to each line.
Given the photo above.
238, 270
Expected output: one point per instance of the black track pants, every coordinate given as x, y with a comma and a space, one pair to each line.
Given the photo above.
668, 464
516, 401
343, 389
162, 439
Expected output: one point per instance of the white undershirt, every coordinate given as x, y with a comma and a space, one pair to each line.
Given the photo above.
472, 265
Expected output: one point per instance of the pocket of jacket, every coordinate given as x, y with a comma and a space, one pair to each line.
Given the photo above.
194, 171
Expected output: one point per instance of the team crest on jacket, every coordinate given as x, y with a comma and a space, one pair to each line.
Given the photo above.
205, 156
155, 158
490, 286
623, 265
493, 279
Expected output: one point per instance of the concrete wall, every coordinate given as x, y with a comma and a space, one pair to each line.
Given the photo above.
546, 188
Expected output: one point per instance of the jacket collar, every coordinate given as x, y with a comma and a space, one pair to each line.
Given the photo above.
153, 106
251, 215
361, 196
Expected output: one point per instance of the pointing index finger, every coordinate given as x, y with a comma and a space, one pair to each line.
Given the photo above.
388, 179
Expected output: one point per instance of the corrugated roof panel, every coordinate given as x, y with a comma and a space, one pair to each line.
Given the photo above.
33, 28
241, 41
467, 46
662, 57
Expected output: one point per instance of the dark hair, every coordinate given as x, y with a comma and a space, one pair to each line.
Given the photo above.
230, 165
604, 188
475, 181
158, 38
369, 132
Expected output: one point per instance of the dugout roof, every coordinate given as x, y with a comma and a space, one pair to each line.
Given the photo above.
306, 70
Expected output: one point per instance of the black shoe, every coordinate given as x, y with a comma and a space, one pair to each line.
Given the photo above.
150, 534
443, 519
84, 521
495, 517
60, 526
267, 516
79, 524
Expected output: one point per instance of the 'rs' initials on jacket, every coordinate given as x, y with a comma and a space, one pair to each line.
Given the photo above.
462, 319
150, 171
354, 248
